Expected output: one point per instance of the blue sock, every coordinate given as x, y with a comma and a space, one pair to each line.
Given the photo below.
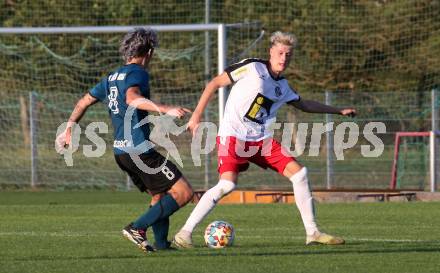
160, 230
161, 210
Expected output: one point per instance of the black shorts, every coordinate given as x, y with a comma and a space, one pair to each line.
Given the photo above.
153, 183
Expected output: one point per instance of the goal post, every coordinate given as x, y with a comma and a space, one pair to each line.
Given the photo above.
431, 143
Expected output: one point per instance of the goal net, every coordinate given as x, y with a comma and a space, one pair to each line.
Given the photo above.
415, 164
382, 57
44, 74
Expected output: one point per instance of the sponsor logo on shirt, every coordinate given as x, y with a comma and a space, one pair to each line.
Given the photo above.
120, 143
113, 77
121, 76
239, 71
260, 109
117, 76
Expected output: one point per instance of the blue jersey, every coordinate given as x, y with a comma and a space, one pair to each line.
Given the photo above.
112, 91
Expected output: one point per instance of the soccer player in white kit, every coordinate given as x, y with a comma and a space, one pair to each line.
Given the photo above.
245, 136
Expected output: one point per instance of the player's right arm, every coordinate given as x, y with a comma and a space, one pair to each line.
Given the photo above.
221, 80
81, 106
97, 93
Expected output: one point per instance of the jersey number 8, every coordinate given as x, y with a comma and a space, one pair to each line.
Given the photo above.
113, 103
168, 173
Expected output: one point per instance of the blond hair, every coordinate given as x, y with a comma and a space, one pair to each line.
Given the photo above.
283, 38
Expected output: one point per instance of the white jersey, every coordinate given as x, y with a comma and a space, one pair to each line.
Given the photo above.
254, 101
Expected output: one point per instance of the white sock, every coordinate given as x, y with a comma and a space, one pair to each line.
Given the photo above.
304, 200
207, 203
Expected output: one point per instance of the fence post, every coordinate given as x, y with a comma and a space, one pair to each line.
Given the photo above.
128, 183
329, 143
33, 117
434, 108
207, 76
433, 139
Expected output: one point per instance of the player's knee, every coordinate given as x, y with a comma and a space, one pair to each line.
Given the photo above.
182, 192
300, 177
155, 198
292, 168
225, 187
187, 191
186, 194
182, 197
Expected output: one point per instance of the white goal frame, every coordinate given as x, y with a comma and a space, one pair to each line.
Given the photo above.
221, 30
432, 156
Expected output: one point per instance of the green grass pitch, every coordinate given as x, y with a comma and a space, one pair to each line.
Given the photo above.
81, 232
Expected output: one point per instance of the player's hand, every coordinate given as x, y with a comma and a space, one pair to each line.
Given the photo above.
63, 140
193, 124
350, 112
178, 112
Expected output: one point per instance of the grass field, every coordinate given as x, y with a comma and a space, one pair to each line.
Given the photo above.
80, 232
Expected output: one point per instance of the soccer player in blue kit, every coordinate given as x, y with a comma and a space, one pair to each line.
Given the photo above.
126, 92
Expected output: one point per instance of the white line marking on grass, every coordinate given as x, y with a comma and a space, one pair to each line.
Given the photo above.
57, 234
352, 239
391, 240
244, 236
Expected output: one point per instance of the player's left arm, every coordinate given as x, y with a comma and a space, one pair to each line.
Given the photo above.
135, 99
311, 106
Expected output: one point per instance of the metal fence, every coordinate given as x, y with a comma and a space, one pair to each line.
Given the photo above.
30, 121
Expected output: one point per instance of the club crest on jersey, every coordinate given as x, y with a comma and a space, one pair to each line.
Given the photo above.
260, 109
278, 91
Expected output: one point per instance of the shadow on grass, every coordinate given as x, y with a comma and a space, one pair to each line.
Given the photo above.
248, 252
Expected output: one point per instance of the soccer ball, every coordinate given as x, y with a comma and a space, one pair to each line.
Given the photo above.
219, 234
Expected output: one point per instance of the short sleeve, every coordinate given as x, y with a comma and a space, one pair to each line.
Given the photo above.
137, 78
239, 70
99, 91
292, 96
